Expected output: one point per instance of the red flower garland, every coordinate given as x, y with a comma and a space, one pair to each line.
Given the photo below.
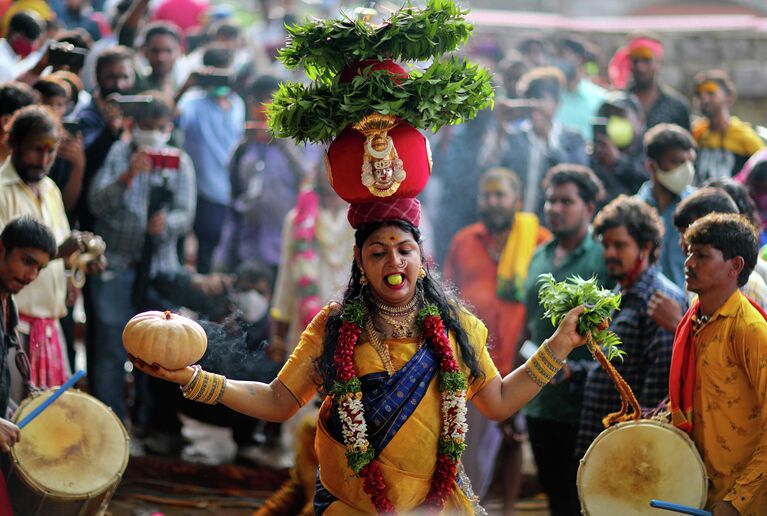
451, 379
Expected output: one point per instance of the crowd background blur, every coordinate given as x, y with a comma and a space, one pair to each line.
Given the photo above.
157, 121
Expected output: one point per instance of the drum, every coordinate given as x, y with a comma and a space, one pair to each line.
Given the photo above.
70, 458
631, 463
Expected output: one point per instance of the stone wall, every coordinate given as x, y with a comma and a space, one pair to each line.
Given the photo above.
613, 8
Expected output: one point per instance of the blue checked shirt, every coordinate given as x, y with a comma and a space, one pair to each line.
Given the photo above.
645, 369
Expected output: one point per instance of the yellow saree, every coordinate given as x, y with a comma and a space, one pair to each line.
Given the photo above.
409, 460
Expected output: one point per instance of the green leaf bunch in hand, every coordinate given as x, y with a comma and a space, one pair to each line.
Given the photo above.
558, 298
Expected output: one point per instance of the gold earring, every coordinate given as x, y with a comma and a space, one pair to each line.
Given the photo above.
421, 273
363, 278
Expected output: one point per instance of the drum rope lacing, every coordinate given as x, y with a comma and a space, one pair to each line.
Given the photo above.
25, 370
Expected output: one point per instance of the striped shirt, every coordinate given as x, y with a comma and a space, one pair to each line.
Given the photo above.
121, 211
646, 366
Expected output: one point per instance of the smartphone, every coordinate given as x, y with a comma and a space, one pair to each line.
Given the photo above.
599, 126
164, 159
213, 78
66, 54
132, 105
71, 125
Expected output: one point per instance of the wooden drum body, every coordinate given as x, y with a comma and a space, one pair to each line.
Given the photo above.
70, 458
631, 463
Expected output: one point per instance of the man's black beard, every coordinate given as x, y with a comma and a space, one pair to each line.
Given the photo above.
494, 226
566, 233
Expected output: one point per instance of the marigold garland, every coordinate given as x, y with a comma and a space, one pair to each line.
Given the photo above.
347, 394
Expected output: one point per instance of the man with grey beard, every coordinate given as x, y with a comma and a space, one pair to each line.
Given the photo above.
482, 262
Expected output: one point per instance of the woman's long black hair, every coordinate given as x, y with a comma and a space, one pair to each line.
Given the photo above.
433, 293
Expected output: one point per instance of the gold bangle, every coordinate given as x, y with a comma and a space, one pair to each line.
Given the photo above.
539, 367
221, 392
200, 387
216, 391
533, 376
543, 365
550, 356
208, 397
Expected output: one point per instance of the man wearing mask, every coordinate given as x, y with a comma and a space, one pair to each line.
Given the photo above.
630, 232
581, 97
572, 193
636, 67
101, 122
143, 200
670, 152
618, 158
25, 32
725, 142
213, 121
488, 262
26, 189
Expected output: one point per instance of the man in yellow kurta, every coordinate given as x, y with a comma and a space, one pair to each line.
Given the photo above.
719, 369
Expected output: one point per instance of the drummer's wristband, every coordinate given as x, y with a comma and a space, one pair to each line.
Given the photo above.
543, 365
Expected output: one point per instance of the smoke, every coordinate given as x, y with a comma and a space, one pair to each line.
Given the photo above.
238, 350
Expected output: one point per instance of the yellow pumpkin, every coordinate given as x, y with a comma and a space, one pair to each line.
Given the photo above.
164, 338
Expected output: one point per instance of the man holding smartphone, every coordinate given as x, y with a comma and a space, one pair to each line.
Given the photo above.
140, 210
101, 122
213, 122
617, 156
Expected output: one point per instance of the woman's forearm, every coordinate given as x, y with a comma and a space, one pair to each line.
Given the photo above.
272, 402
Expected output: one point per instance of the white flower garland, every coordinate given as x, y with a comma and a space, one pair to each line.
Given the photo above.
454, 425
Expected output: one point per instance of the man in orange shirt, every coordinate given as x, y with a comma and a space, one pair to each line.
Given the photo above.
487, 261
718, 381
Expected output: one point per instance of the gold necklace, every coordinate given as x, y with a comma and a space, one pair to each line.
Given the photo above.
379, 346
400, 328
395, 310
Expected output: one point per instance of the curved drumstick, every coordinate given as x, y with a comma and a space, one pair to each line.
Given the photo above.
53, 397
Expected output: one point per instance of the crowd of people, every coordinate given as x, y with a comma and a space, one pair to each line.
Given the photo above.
146, 126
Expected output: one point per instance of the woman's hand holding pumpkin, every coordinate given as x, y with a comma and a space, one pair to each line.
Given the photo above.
179, 376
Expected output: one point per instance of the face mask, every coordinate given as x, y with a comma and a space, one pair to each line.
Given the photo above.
676, 179
221, 91
22, 46
144, 138
252, 305
620, 131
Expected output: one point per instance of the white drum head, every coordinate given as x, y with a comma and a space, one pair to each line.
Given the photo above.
631, 463
75, 447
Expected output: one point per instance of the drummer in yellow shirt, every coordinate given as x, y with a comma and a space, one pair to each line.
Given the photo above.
718, 382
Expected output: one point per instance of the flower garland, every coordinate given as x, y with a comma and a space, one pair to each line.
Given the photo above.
305, 260
347, 394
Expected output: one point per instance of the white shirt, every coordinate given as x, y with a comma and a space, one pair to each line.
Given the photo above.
46, 296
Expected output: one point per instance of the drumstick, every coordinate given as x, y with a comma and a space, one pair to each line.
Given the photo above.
684, 509
53, 397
